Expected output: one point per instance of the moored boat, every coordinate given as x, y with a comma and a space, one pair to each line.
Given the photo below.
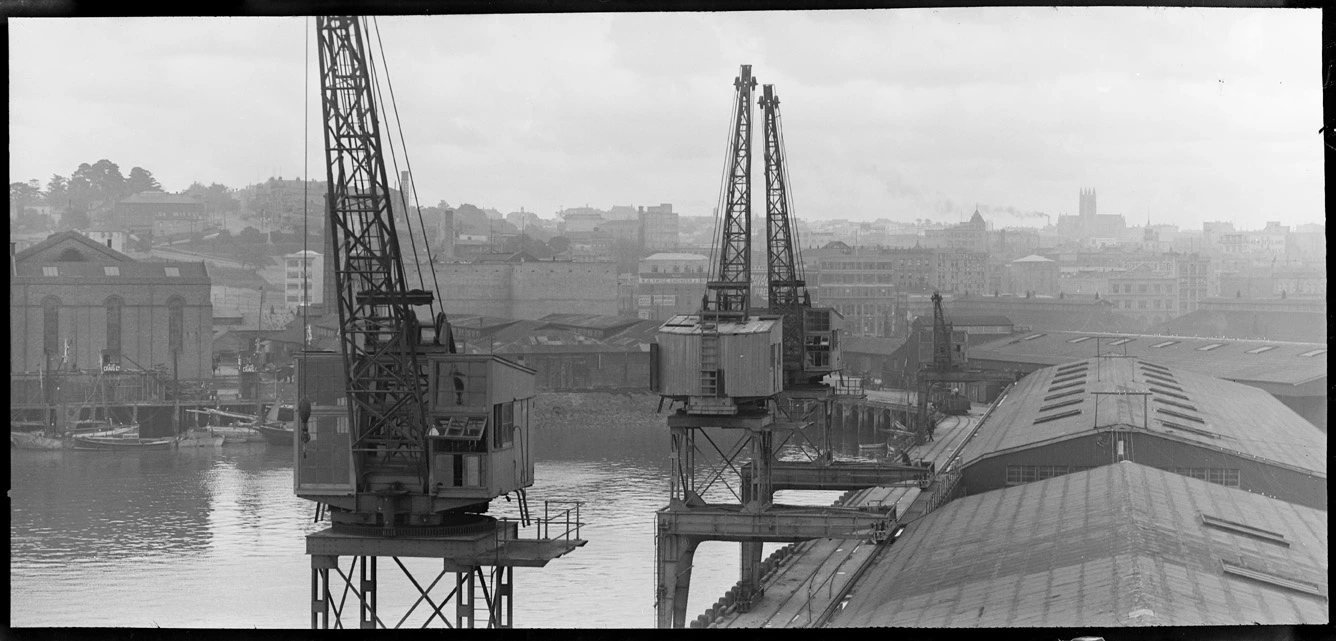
275, 434
36, 441
45, 440
121, 442
233, 434
199, 439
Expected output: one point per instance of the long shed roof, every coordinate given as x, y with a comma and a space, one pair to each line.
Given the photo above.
1118, 545
1059, 403
1275, 363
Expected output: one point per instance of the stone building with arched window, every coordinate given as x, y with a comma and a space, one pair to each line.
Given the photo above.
76, 304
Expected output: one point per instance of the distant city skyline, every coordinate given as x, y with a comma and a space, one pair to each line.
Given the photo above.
1185, 115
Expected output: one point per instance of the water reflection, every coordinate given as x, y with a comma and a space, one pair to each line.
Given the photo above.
214, 538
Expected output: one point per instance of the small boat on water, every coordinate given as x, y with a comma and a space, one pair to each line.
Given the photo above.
200, 438
122, 442
38, 440
244, 432
275, 434
44, 440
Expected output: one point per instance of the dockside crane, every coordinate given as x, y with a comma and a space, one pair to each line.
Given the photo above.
726, 367
811, 334
400, 441
946, 367
728, 291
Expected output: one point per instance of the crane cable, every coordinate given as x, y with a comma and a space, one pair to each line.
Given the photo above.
398, 124
798, 272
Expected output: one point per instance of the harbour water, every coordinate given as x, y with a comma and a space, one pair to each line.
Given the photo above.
214, 538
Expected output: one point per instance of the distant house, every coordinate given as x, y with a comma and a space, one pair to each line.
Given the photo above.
150, 213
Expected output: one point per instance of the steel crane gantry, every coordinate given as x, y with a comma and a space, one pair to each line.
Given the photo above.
727, 366
400, 441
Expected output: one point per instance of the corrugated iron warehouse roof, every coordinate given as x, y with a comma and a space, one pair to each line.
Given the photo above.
1060, 403
1119, 545
1275, 366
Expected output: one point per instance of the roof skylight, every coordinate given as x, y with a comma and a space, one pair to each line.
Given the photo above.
1244, 529
1207, 348
1273, 579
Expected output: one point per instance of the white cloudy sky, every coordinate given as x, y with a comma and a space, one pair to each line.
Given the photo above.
1190, 114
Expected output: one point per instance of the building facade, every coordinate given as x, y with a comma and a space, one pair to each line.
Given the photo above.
115, 239
669, 284
76, 304
155, 212
1034, 274
528, 289
960, 271
870, 289
303, 279
658, 228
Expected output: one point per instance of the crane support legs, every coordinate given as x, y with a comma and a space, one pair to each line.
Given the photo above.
674, 554
332, 588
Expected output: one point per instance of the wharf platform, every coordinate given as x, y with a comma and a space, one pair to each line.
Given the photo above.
807, 580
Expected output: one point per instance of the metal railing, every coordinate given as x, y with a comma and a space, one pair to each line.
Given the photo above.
567, 522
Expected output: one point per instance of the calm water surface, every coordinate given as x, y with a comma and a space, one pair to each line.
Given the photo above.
210, 539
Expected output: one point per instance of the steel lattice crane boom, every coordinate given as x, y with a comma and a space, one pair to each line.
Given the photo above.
378, 326
404, 442
811, 347
727, 293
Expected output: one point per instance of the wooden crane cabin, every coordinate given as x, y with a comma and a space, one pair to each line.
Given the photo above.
711, 365
477, 432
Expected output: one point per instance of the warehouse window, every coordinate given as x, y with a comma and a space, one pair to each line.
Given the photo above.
1165, 344
1219, 475
111, 270
1168, 393
1190, 430
1062, 404
175, 323
1079, 339
1064, 394
1181, 415
114, 305
1122, 341
1062, 379
50, 271
172, 271
1315, 352
1022, 474
1259, 350
1175, 404
1056, 416
51, 325
1207, 348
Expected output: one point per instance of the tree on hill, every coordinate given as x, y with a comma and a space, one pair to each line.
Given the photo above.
23, 195
141, 180
57, 193
216, 198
